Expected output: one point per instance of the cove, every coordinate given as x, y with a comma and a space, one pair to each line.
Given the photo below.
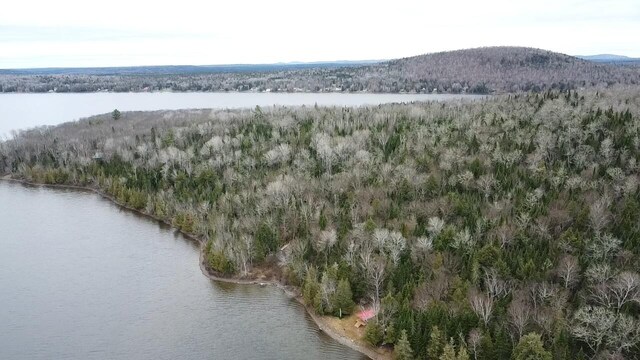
82, 278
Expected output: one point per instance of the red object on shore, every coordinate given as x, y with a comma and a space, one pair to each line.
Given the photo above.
366, 314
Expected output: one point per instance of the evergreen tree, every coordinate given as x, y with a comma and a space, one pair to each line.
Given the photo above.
387, 317
531, 347
580, 355
343, 299
310, 287
487, 348
463, 354
502, 345
317, 303
449, 352
373, 333
403, 348
436, 343
322, 222
560, 347
115, 114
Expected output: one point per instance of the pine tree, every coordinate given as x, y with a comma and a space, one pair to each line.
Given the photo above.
317, 303
560, 347
387, 316
403, 348
343, 299
436, 343
487, 348
116, 114
390, 335
322, 222
311, 286
373, 333
502, 345
580, 355
369, 225
531, 347
463, 354
449, 352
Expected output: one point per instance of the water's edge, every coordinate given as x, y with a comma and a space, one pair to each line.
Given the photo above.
291, 291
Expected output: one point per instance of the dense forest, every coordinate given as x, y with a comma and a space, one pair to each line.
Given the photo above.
492, 229
480, 71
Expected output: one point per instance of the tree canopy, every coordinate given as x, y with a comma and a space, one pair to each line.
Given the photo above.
467, 224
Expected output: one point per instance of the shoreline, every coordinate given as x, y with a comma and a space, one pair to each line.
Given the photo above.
363, 92
291, 291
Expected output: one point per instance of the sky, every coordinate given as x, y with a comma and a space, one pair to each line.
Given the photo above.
73, 33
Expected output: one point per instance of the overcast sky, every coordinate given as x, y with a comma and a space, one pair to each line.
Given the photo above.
127, 32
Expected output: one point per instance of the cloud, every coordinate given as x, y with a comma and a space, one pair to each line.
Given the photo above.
72, 33
24, 33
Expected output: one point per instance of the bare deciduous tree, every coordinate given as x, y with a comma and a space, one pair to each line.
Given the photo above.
432, 290
593, 325
482, 305
519, 313
395, 245
473, 340
599, 214
380, 238
568, 271
603, 246
435, 226
625, 289
376, 274
625, 334
495, 286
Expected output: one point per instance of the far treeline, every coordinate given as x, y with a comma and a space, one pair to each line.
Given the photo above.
494, 229
474, 71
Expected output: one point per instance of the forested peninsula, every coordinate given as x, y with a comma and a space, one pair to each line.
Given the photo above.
500, 228
475, 71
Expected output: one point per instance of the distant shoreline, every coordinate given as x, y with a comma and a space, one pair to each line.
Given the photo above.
291, 291
482, 71
364, 92
100, 103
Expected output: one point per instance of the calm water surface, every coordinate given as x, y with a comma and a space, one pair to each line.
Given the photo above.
22, 111
81, 278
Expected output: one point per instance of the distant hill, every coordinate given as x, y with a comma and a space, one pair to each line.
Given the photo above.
184, 69
609, 58
480, 70
500, 69
604, 57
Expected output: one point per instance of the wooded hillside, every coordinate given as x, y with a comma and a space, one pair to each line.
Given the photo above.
481, 70
497, 228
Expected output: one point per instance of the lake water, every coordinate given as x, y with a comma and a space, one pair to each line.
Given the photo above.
22, 111
81, 278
